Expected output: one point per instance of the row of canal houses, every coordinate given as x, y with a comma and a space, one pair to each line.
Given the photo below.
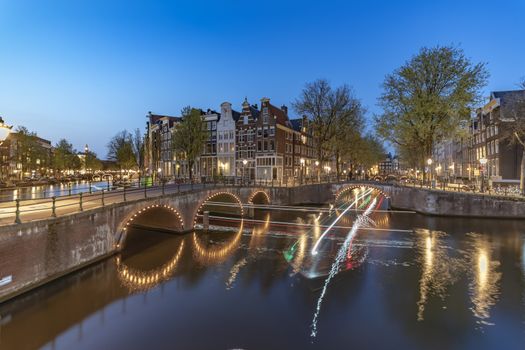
254, 144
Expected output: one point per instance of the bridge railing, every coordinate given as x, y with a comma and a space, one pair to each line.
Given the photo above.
19, 210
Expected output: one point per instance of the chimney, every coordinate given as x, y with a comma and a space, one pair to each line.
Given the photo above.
284, 109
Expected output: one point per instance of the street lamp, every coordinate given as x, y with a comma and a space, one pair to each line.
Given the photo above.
301, 161
429, 162
244, 162
483, 161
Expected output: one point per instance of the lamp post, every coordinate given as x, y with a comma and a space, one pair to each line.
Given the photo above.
451, 172
301, 161
483, 161
159, 174
244, 162
429, 162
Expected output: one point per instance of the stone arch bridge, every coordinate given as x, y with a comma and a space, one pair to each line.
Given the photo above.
58, 245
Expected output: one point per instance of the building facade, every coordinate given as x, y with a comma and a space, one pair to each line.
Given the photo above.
486, 139
24, 156
207, 163
245, 147
226, 136
160, 159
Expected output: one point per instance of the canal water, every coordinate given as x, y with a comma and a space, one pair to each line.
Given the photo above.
48, 191
405, 281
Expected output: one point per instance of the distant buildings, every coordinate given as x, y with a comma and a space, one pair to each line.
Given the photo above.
24, 156
486, 137
254, 144
389, 166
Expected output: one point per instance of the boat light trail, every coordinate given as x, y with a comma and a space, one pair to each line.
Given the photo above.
341, 256
314, 249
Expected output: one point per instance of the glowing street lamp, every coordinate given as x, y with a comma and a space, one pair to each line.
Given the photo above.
429, 162
244, 162
483, 161
301, 161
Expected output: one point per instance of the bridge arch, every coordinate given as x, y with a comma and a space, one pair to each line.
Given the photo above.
346, 189
217, 195
148, 217
259, 197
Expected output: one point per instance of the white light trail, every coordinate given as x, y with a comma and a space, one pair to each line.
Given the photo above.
314, 249
341, 255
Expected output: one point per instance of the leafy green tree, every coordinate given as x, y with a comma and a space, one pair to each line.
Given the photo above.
120, 150
426, 100
29, 153
189, 137
92, 162
65, 157
371, 152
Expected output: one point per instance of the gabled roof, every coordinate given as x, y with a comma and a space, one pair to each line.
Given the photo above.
155, 118
236, 115
510, 101
297, 124
509, 94
255, 112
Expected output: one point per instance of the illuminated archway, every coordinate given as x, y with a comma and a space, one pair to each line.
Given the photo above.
134, 219
259, 197
346, 189
210, 200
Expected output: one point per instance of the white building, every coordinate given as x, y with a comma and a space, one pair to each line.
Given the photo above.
226, 140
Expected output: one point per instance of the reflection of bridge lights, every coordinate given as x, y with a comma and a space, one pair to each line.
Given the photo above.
214, 254
138, 280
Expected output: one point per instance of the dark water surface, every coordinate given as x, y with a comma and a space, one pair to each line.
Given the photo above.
447, 283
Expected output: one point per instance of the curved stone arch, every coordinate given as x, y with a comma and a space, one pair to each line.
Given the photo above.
351, 187
143, 280
216, 254
128, 220
213, 195
255, 193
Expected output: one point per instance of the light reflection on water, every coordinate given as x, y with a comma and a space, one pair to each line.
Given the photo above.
485, 277
221, 290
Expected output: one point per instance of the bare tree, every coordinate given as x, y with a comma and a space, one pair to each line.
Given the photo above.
330, 110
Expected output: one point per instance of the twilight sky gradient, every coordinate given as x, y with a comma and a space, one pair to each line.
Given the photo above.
87, 69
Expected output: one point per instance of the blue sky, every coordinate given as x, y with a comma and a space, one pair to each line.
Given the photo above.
86, 69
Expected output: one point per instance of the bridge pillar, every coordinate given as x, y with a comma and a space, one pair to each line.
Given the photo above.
206, 220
